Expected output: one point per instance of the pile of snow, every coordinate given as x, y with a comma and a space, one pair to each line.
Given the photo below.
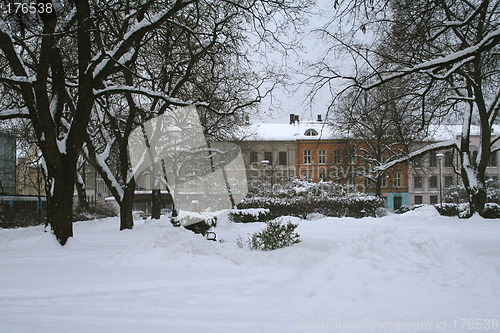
388, 268
158, 278
426, 212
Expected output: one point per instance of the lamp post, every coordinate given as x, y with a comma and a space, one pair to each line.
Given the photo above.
176, 134
264, 164
440, 159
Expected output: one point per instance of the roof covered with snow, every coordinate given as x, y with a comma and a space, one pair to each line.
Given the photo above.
447, 132
306, 130
309, 130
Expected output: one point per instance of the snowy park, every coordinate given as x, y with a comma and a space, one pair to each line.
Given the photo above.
417, 272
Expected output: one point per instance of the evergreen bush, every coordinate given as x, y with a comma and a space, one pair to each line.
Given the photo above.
275, 236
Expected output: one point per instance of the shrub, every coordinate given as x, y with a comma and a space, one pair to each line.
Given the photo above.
491, 210
94, 211
250, 215
196, 222
13, 218
275, 236
300, 206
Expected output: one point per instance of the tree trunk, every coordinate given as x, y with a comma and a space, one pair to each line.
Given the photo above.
477, 199
155, 204
82, 196
60, 204
378, 186
126, 207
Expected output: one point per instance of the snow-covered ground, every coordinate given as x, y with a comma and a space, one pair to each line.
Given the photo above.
416, 272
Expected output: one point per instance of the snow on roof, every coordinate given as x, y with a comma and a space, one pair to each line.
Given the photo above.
305, 130
299, 131
446, 132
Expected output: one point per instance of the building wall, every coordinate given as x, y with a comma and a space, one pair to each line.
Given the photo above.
426, 190
7, 164
336, 160
278, 169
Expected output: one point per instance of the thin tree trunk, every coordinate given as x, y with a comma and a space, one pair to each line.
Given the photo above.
126, 207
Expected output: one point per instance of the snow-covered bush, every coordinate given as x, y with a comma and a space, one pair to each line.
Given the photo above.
250, 215
94, 211
300, 206
276, 235
491, 210
300, 198
458, 194
13, 218
196, 222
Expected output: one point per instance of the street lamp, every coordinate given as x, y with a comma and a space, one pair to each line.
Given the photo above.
264, 164
176, 134
440, 159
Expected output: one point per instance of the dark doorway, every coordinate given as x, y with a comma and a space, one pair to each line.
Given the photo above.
397, 202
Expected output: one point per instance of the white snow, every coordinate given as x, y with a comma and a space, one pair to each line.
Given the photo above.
415, 272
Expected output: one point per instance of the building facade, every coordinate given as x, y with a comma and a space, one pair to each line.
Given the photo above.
433, 174
314, 151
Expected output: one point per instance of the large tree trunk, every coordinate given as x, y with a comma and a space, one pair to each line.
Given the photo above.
477, 199
60, 203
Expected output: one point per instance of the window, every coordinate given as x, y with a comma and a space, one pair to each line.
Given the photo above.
433, 159
367, 182
352, 157
417, 182
474, 157
335, 174
282, 160
448, 180
268, 156
352, 177
322, 174
418, 162
448, 160
434, 200
493, 159
321, 157
433, 181
418, 200
311, 132
307, 176
384, 182
253, 157
397, 180
307, 157
336, 156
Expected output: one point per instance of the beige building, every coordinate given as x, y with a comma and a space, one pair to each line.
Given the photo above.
432, 174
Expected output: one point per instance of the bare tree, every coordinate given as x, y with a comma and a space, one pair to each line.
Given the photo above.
194, 59
447, 48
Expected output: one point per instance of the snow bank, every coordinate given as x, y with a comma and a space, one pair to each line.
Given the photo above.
387, 269
426, 212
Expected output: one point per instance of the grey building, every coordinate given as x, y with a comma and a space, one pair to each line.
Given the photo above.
7, 164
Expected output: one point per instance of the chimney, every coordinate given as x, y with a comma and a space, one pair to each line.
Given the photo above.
319, 118
292, 118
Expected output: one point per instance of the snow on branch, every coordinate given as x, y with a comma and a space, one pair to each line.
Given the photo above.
145, 92
432, 147
122, 50
14, 113
488, 42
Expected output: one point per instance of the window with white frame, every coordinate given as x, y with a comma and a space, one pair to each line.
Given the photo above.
336, 156
307, 157
397, 180
322, 157
417, 182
